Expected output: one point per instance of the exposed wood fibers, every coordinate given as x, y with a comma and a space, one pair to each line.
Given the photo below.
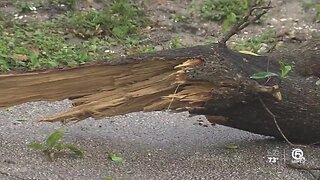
105, 90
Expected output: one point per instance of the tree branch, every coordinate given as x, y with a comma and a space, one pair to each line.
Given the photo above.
250, 16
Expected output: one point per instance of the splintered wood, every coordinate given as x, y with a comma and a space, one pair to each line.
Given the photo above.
108, 90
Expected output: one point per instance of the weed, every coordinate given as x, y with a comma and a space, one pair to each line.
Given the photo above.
120, 19
226, 11
115, 157
263, 75
180, 17
147, 48
284, 71
45, 45
176, 43
25, 7
53, 145
255, 44
32, 46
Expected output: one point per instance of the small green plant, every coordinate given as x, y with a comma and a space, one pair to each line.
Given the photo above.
263, 75
115, 157
53, 145
146, 48
284, 71
120, 19
176, 43
256, 43
30, 46
226, 11
25, 7
180, 17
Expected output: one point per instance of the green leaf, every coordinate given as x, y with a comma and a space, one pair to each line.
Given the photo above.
262, 75
53, 139
59, 146
285, 69
318, 83
114, 157
19, 121
231, 18
74, 149
36, 146
232, 146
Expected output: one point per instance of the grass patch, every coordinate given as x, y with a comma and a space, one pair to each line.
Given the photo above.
42, 45
309, 5
225, 11
256, 43
25, 7
29, 46
120, 19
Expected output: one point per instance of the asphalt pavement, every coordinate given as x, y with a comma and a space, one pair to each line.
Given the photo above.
156, 145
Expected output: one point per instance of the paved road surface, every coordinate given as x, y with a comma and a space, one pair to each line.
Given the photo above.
157, 145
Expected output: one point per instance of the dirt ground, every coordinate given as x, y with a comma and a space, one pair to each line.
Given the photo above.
158, 145
287, 18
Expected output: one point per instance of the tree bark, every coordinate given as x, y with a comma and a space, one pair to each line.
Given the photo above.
207, 80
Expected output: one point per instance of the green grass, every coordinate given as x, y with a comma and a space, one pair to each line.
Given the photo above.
176, 43
121, 19
25, 7
29, 46
308, 5
256, 43
317, 18
42, 45
225, 11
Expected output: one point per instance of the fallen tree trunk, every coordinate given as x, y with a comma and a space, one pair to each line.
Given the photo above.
208, 80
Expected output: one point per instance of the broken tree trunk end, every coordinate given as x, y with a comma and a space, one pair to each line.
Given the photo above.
207, 80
